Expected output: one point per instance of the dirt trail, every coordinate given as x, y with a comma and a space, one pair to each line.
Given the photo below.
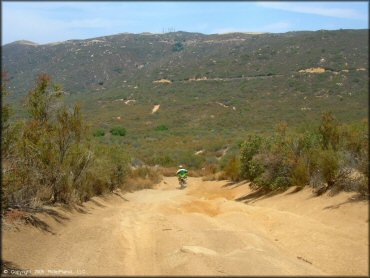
200, 230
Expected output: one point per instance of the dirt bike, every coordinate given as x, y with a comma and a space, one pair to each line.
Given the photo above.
182, 182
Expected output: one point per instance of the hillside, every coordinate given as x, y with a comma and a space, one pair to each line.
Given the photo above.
200, 85
85, 64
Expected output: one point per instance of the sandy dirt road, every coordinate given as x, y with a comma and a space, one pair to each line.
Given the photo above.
209, 228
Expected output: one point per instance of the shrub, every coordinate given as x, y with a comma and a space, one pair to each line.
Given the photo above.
188, 159
255, 167
363, 162
328, 165
142, 177
9, 132
301, 144
352, 139
111, 165
41, 100
280, 182
161, 128
273, 171
329, 130
68, 129
145, 172
249, 148
168, 171
53, 159
163, 160
349, 180
335, 157
210, 168
178, 46
300, 173
232, 169
99, 132
195, 173
118, 131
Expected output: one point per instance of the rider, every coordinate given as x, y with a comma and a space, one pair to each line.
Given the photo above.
182, 173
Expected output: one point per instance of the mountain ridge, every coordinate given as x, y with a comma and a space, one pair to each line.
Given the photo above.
127, 55
24, 41
205, 85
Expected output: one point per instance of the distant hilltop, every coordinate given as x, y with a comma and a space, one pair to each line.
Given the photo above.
27, 42
247, 33
24, 42
177, 33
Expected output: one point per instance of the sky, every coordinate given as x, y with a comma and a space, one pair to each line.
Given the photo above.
47, 22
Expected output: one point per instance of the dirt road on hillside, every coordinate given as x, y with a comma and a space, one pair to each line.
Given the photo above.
200, 230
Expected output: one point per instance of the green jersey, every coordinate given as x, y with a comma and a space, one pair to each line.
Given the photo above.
182, 173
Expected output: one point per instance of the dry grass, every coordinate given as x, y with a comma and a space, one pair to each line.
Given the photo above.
215, 176
196, 173
168, 171
15, 215
142, 178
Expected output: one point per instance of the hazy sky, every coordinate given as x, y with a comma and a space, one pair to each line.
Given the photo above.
44, 22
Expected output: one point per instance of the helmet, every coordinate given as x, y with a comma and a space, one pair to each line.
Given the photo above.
180, 166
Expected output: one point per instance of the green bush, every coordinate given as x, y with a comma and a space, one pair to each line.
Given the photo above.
99, 132
111, 165
248, 149
255, 168
328, 165
178, 46
300, 144
9, 130
192, 161
332, 155
329, 130
53, 160
118, 131
51, 154
271, 171
161, 128
300, 173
